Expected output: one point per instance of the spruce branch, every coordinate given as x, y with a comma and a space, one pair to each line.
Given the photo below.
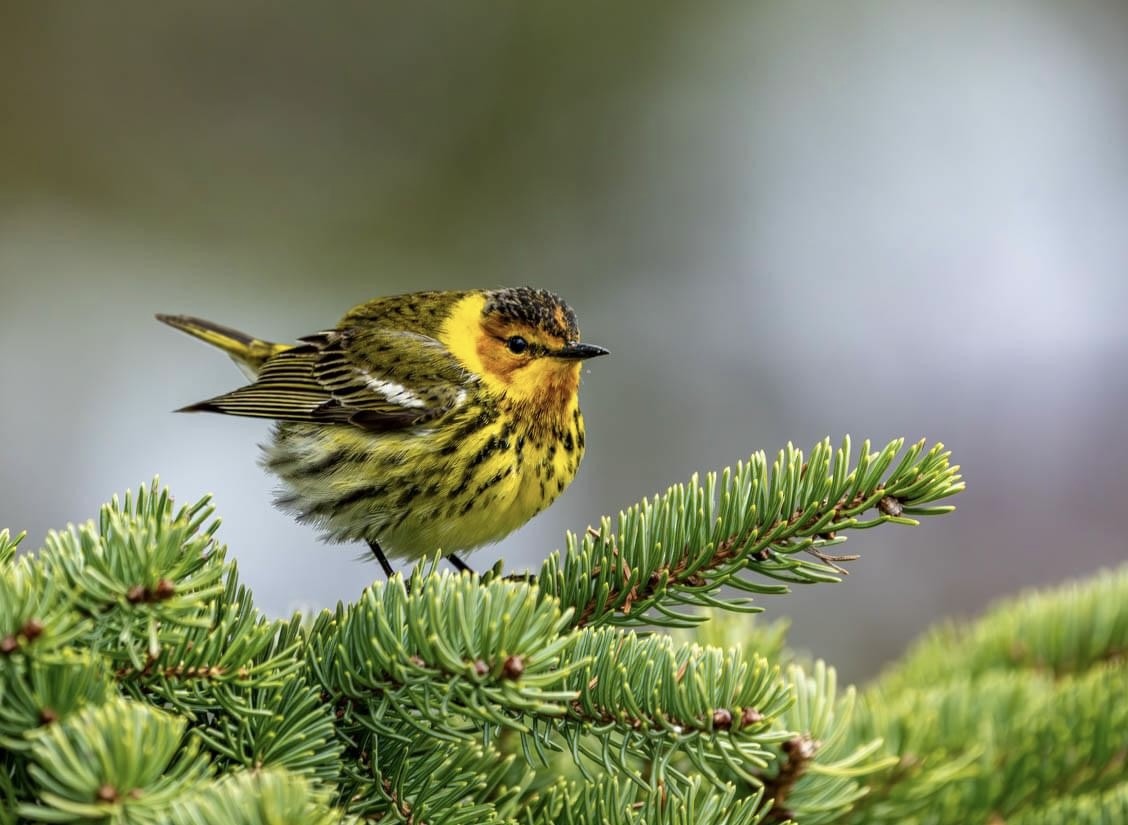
681, 548
998, 716
606, 697
34, 697
426, 781
139, 667
286, 727
645, 697
265, 797
209, 667
1062, 630
608, 800
817, 775
37, 615
120, 761
152, 591
1102, 808
489, 652
994, 736
143, 561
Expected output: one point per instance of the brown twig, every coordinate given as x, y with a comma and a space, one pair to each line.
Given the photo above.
797, 755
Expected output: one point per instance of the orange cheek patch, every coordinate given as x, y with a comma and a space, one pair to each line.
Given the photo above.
546, 384
495, 359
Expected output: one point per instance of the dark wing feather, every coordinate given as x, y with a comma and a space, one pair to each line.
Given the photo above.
376, 379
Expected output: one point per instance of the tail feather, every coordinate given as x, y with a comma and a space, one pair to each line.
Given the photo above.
248, 353
201, 406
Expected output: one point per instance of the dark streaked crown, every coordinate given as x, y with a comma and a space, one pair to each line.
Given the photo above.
538, 308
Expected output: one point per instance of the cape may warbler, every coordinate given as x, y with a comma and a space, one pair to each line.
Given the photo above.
422, 421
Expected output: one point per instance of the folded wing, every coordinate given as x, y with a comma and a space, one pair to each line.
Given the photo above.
375, 379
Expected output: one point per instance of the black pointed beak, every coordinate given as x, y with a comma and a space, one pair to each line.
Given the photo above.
579, 352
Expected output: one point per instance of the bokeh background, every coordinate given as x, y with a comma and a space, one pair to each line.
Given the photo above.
786, 220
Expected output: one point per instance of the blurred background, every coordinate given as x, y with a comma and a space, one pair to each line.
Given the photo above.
785, 220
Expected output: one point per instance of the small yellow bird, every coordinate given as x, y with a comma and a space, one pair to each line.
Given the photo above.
432, 420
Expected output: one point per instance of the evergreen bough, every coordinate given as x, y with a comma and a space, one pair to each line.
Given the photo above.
139, 684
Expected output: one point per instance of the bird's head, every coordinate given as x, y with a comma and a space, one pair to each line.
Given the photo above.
521, 341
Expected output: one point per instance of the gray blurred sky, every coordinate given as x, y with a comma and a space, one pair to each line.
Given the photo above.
786, 220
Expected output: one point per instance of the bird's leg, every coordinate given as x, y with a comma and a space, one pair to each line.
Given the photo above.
459, 565
374, 546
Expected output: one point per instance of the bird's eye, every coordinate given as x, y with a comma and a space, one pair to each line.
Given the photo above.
516, 344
